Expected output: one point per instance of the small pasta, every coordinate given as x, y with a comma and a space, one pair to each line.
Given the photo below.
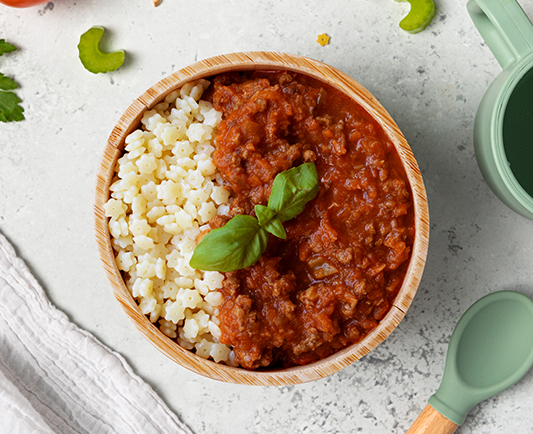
164, 193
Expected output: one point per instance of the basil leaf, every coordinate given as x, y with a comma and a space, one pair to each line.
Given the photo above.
238, 244
264, 214
269, 220
292, 189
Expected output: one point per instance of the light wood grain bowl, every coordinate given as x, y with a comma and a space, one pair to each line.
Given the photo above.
130, 121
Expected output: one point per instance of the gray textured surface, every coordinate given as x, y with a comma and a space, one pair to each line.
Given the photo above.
431, 83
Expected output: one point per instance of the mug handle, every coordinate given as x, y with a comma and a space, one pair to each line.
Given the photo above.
505, 28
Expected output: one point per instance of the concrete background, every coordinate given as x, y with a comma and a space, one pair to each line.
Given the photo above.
431, 83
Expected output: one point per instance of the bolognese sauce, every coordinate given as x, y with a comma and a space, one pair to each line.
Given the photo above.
336, 275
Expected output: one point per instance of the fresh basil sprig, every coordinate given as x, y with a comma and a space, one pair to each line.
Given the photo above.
242, 241
236, 245
269, 220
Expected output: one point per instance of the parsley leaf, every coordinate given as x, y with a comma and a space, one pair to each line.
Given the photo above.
10, 110
6, 47
6, 83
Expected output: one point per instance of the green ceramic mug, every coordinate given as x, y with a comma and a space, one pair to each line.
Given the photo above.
503, 128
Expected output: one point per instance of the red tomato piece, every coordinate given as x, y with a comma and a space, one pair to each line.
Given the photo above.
22, 3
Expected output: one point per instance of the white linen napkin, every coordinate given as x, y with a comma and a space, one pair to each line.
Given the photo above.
56, 378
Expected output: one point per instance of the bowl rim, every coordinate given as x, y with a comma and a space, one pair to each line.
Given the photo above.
260, 60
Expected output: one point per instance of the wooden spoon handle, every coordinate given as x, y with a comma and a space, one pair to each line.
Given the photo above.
430, 421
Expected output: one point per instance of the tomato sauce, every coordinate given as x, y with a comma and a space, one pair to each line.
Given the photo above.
339, 270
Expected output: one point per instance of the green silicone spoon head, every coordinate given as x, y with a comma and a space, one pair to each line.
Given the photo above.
93, 58
419, 16
490, 349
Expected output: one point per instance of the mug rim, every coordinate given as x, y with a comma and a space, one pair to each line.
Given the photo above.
500, 157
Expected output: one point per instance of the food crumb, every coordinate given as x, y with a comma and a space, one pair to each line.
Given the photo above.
157, 2
323, 39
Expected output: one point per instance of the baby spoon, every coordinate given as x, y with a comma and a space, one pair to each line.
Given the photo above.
490, 349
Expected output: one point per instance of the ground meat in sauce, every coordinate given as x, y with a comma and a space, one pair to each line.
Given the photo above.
336, 275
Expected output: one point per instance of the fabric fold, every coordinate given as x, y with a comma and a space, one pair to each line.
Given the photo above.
58, 378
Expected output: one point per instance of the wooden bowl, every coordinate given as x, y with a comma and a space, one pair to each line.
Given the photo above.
130, 121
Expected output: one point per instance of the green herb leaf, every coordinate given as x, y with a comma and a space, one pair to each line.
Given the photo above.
93, 58
6, 83
10, 110
238, 244
269, 220
292, 189
6, 47
242, 241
